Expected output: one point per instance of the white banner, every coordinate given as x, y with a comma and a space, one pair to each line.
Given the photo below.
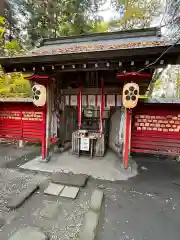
73, 100
110, 100
67, 100
91, 100
84, 102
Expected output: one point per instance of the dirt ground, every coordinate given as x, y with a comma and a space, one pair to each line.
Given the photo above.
146, 207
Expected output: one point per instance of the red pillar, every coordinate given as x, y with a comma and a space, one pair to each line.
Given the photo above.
21, 117
127, 137
80, 106
43, 146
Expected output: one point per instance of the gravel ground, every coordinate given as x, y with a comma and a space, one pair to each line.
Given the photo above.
58, 217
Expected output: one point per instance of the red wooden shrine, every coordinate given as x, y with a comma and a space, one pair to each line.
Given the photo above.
100, 61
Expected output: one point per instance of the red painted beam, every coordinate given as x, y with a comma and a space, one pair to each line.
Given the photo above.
35, 76
41, 79
133, 76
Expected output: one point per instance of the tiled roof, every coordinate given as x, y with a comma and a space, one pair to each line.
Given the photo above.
138, 38
161, 100
78, 48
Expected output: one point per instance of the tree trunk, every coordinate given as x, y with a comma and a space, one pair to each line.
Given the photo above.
153, 82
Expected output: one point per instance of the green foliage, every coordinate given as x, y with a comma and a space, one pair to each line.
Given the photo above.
158, 84
138, 13
178, 84
45, 19
53, 18
98, 26
2, 21
12, 48
14, 85
11, 85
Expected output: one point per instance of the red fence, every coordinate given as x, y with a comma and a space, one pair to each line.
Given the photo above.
22, 121
156, 130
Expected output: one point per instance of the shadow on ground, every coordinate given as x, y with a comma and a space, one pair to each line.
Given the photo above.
12, 157
146, 207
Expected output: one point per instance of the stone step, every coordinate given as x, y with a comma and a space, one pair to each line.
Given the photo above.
78, 180
16, 201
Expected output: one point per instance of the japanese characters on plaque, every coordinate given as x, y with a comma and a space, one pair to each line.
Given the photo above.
110, 100
167, 123
26, 115
36, 116
84, 100
91, 100
10, 115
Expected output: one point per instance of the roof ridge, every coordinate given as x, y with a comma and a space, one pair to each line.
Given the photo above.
154, 31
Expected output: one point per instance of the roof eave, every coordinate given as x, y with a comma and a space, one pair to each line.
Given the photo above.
124, 52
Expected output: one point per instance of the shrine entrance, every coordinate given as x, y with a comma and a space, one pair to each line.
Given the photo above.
88, 103
82, 78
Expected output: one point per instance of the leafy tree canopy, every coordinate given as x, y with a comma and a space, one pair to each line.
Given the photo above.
11, 85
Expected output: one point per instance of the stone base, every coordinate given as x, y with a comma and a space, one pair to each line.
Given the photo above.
46, 160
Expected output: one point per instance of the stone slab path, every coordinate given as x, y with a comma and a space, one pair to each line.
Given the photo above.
69, 192
54, 189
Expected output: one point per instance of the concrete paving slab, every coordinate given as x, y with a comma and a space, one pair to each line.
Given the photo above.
70, 192
16, 201
54, 189
29, 233
96, 200
106, 168
78, 180
90, 226
92, 216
